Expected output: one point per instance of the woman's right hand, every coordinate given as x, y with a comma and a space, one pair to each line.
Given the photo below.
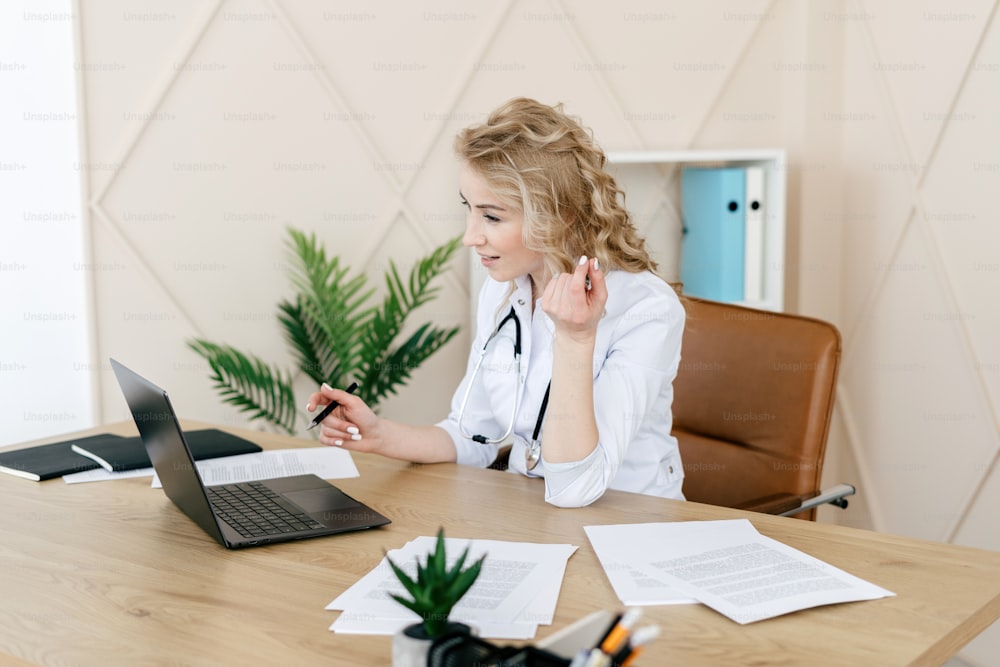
575, 301
351, 425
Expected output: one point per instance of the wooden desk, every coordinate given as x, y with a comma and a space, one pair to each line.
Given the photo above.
113, 573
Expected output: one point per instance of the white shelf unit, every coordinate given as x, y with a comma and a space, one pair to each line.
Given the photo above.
651, 182
652, 178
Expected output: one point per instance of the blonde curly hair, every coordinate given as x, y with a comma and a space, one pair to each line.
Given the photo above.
547, 165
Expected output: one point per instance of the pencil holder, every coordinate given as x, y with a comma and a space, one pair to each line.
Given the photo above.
462, 650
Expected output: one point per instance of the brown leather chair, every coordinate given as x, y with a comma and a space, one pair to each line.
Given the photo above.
752, 403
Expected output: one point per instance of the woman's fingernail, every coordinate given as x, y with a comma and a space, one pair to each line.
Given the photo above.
326, 386
339, 443
309, 407
597, 267
353, 430
356, 436
583, 260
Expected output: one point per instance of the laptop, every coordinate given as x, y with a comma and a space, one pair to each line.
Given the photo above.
236, 515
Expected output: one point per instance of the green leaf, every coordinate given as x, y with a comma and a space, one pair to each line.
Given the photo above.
437, 588
334, 333
408, 583
327, 313
384, 367
412, 606
464, 581
395, 368
439, 560
250, 384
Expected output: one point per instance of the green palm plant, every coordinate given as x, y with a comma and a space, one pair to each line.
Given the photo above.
334, 334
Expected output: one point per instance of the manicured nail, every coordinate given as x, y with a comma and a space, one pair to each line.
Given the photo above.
339, 443
583, 260
353, 430
356, 436
309, 407
597, 267
326, 386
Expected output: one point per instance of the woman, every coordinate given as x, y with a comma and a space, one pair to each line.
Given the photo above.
600, 334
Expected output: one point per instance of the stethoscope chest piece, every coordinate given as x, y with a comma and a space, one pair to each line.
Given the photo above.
532, 454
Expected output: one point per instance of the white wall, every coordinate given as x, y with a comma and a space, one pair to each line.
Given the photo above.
212, 125
45, 356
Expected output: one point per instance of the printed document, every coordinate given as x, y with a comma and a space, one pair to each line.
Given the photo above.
516, 590
102, 475
726, 565
324, 462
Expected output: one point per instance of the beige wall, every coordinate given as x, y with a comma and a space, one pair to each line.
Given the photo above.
920, 384
209, 127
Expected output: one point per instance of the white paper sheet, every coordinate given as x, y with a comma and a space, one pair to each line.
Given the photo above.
726, 565
539, 611
517, 589
624, 549
102, 475
357, 623
324, 462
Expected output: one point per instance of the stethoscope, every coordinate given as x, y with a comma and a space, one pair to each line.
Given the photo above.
533, 452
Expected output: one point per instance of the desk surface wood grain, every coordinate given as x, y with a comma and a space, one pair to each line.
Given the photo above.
114, 573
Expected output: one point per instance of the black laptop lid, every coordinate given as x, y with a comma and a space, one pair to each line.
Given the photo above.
169, 452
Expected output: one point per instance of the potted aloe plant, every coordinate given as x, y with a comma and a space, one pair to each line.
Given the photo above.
434, 591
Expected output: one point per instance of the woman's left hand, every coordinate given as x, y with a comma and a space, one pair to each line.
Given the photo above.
574, 308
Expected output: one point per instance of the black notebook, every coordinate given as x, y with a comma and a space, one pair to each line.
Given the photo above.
130, 454
47, 461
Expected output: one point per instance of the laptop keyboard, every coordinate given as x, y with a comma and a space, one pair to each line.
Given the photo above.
253, 510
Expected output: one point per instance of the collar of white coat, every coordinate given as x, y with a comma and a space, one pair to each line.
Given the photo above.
520, 300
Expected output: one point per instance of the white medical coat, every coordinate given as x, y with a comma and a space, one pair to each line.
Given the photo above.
636, 356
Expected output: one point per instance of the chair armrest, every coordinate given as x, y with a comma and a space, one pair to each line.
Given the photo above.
834, 496
787, 504
774, 504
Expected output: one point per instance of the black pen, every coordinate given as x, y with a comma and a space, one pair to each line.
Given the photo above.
325, 412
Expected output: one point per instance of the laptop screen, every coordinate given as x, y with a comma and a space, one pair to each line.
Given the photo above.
161, 434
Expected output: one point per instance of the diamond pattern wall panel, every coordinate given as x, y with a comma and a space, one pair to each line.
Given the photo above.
959, 205
924, 49
398, 66
922, 412
130, 51
918, 395
677, 60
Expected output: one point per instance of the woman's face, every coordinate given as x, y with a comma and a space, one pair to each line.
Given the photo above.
494, 231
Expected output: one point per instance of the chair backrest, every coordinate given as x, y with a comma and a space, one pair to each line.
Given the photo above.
752, 402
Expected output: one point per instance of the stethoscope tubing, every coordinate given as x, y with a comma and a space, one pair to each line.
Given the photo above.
481, 439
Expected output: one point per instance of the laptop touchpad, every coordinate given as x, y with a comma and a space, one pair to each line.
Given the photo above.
321, 500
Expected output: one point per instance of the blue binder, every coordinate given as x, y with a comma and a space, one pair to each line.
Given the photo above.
712, 249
